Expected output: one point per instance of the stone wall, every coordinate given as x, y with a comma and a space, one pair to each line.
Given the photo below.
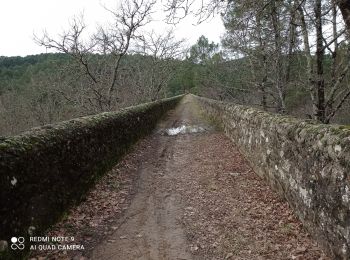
47, 169
306, 162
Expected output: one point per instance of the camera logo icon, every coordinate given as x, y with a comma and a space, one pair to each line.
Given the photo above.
17, 243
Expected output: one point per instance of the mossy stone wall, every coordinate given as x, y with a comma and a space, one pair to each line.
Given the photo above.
47, 169
306, 162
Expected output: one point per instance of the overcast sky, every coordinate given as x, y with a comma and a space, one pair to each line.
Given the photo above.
19, 19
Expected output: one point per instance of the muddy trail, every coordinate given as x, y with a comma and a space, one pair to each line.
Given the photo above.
185, 192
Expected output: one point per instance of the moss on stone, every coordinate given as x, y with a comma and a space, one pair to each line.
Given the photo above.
318, 174
55, 165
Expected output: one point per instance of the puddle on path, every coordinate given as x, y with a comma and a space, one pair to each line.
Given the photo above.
184, 129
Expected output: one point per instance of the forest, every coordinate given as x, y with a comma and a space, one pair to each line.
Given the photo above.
289, 57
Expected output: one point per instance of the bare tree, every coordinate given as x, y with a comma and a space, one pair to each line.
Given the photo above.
163, 51
203, 9
344, 6
112, 44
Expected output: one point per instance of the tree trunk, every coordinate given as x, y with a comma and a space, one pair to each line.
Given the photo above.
309, 62
291, 39
320, 85
344, 6
262, 84
281, 107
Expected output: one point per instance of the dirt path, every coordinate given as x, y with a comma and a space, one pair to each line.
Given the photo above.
187, 195
151, 228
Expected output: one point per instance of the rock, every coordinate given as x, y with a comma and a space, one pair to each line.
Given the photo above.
3, 245
31, 230
228, 256
301, 249
234, 174
194, 248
